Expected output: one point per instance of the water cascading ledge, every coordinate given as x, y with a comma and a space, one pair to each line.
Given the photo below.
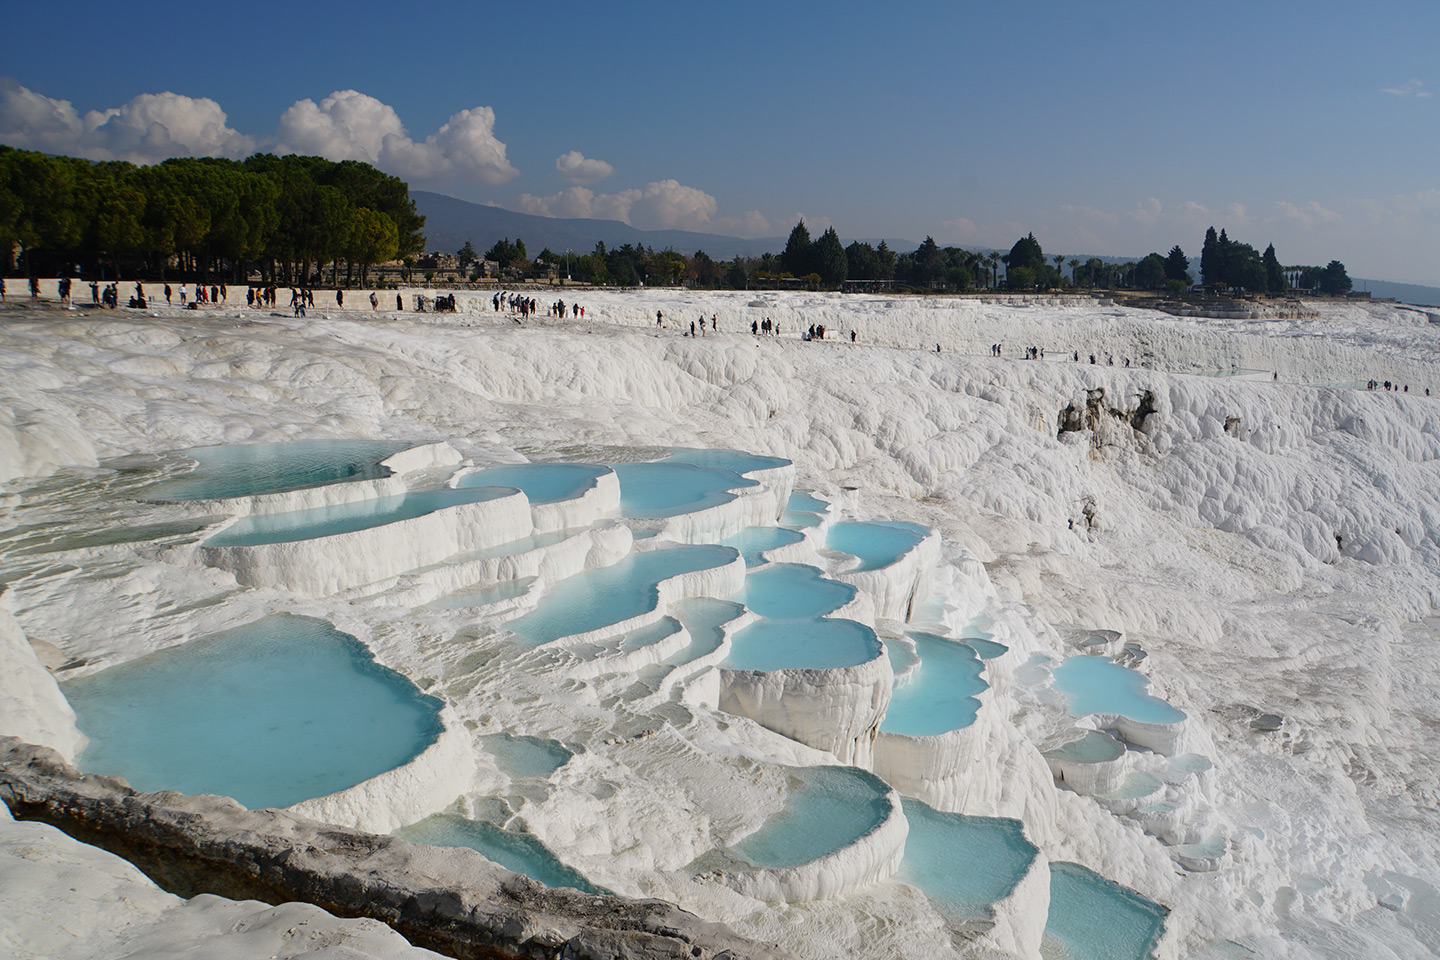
837, 709
447, 899
871, 858
406, 794
325, 565
898, 586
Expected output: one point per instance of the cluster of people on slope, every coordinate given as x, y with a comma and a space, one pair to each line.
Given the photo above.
516, 304
1390, 386
713, 324
767, 326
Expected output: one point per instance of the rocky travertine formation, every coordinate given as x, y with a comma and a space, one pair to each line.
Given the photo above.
450, 900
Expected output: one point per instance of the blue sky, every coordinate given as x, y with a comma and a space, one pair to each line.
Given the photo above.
1115, 128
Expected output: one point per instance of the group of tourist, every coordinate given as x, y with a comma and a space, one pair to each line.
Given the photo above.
516, 304
1390, 386
767, 326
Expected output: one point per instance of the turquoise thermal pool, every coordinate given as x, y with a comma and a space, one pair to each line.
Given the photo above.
516, 852
540, 482
806, 501
609, 595
811, 644
752, 542
985, 649
482, 595
250, 469
964, 864
877, 544
800, 519
826, 808
316, 522
736, 461
789, 590
1093, 747
705, 619
525, 756
1099, 685
272, 713
941, 695
667, 489
1092, 918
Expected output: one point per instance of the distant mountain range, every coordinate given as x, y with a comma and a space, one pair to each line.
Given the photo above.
1404, 292
449, 223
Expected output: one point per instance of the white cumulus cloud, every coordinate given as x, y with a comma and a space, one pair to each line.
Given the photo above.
662, 205
1410, 88
579, 169
350, 125
149, 128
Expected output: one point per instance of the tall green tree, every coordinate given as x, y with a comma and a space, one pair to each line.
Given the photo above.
1274, 273
1334, 280
1150, 272
862, 262
929, 261
1177, 265
828, 258
1027, 254
374, 238
797, 257
885, 257
1212, 264
40, 191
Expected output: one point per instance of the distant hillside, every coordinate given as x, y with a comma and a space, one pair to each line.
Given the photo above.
450, 222
1404, 292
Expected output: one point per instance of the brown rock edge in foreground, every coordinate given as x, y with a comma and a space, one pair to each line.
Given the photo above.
451, 900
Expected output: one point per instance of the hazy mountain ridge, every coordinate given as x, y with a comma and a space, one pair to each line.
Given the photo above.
450, 222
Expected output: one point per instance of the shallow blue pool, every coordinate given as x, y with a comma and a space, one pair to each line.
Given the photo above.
877, 543
754, 541
666, 489
736, 461
480, 596
526, 756
805, 500
272, 713
789, 590
964, 864
800, 519
516, 852
941, 696
608, 595
985, 649
1094, 747
541, 482
249, 469
810, 644
705, 619
1099, 685
346, 517
1092, 918
826, 808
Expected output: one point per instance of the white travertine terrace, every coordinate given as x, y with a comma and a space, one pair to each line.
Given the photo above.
326, 565
1294, 519
837, 709
428, 784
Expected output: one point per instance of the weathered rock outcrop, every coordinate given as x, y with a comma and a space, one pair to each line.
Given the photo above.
450, 900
